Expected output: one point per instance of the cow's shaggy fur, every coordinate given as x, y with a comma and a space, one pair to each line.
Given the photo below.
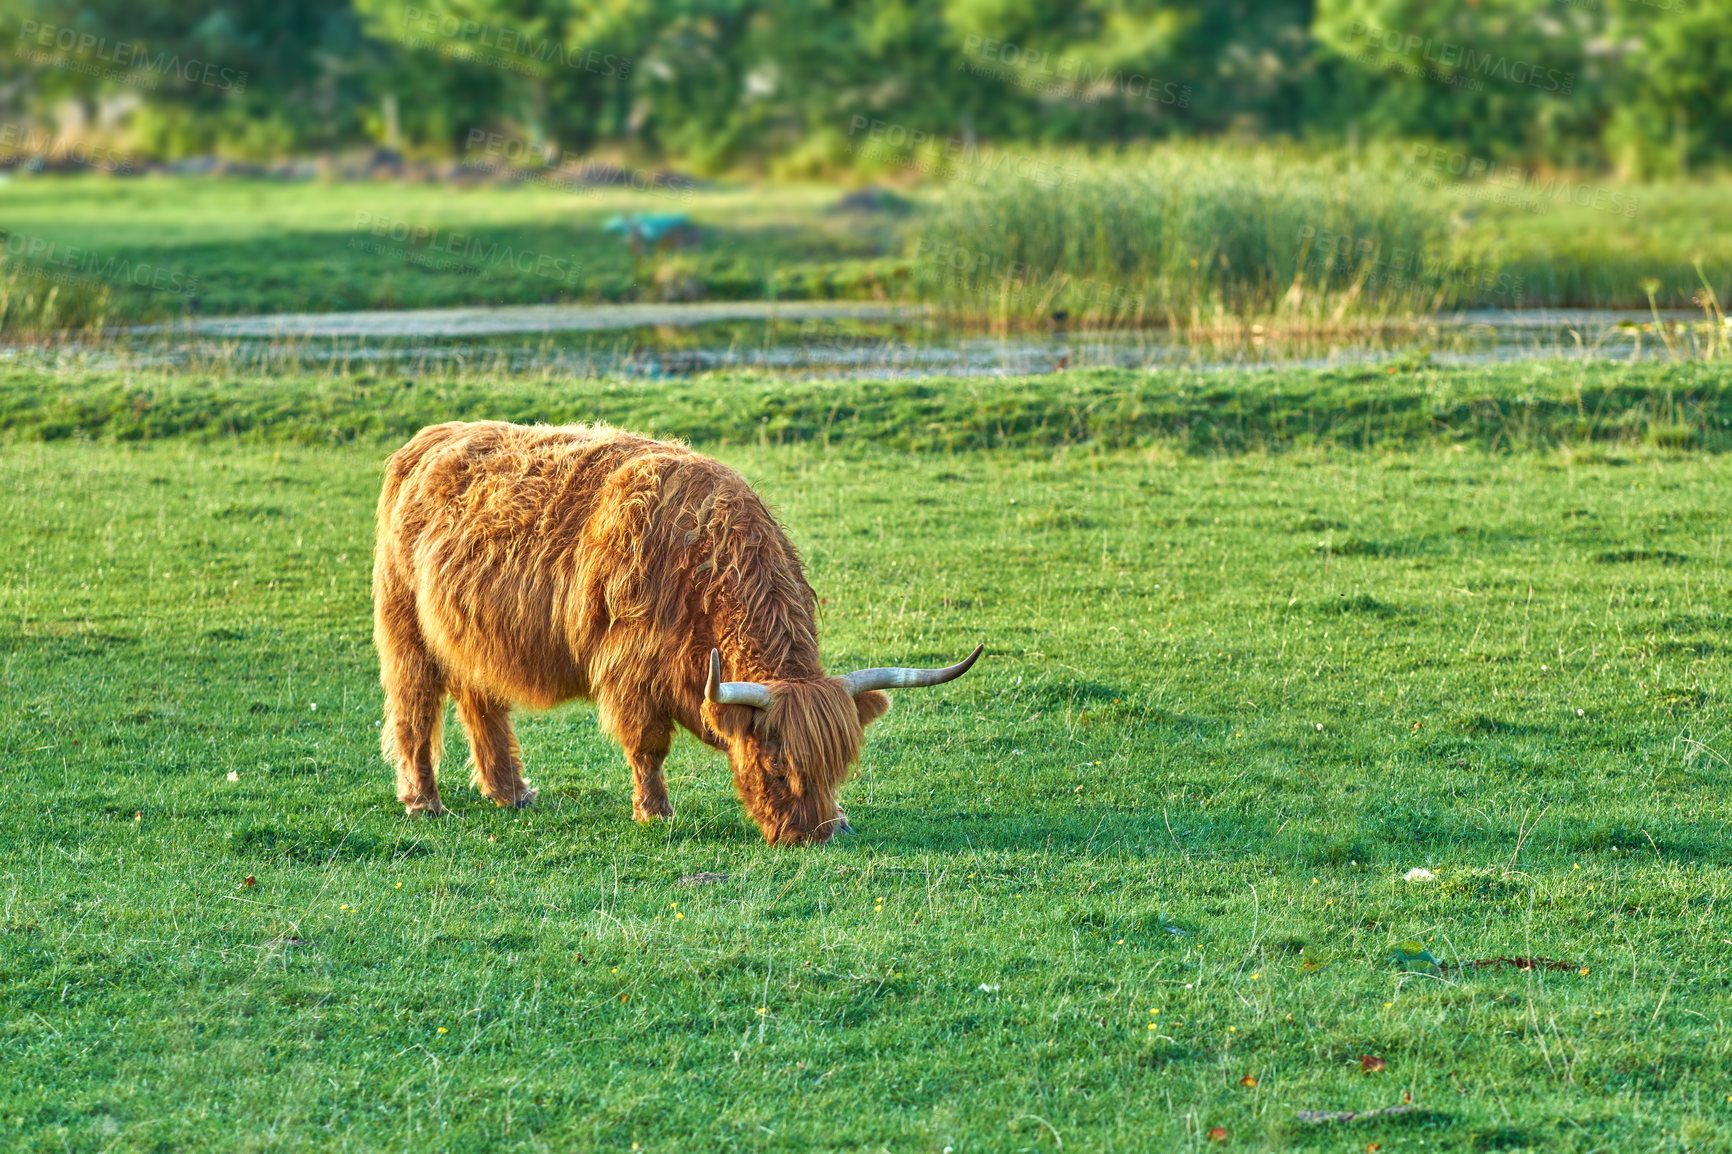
533, 565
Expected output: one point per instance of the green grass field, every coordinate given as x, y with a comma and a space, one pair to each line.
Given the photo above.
222, 246
1138, 876
1186, 234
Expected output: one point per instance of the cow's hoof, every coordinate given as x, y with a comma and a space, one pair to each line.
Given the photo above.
424, 808
653, 811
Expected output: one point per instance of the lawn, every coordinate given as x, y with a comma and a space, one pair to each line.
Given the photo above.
1139, 876
228, 246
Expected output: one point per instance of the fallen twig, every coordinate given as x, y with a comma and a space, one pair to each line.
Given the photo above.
1518, 963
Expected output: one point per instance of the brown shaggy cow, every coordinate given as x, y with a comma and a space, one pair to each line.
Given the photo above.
535, 564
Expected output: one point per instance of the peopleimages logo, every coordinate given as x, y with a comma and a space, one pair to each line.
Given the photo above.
124, 55
472, 253
1435, 164
949, 157
63, 262
1454, 60
1069, 75
490, 43
18, 138
570, 171
1017, 283
1400, 268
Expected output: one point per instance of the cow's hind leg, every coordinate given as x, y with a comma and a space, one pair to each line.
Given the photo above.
646, 733
413, 731
493, 746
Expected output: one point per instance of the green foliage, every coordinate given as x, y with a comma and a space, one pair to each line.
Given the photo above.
1188, 777
1674, 100
254, 79
750, 83
1501, 77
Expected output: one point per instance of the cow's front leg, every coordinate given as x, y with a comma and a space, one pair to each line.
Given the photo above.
646, 734
649, 790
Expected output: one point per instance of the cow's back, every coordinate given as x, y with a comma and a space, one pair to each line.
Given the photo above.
545, 563
482, 527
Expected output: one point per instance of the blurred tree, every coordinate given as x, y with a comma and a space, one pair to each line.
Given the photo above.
1672, 85
796, 83
1501, 77
253, 77
543, 74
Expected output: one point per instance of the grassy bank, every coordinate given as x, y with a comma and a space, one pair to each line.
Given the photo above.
1685, 406
1139, 876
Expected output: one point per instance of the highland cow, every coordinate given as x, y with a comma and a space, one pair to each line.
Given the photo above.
533, 565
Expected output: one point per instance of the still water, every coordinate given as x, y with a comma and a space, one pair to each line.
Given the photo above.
834, 339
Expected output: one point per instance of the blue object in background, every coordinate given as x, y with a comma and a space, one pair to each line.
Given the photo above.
650, 227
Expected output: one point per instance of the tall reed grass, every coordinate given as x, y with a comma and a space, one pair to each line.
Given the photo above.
1677, 233
38, 305
1192, 236
1221, 238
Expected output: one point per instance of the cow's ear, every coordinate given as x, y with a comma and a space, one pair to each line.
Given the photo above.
872, 705
731, 721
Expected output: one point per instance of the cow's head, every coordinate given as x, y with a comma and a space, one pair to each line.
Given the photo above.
791, 742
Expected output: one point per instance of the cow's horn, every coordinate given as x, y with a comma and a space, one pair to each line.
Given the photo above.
861, 680
734, 692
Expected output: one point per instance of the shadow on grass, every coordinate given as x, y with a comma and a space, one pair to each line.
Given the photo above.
1377, 840
367, 267
320, 845
1294, 1134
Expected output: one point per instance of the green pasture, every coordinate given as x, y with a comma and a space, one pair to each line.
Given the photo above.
1186, 236
235, 246
1141, 875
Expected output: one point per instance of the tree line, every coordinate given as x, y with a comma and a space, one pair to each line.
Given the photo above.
1644, 86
